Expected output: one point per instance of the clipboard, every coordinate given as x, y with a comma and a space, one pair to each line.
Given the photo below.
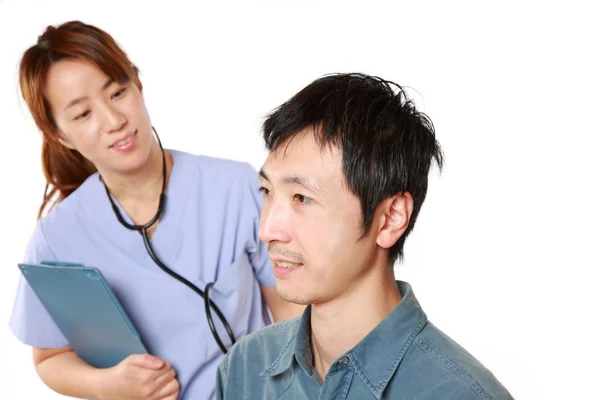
85, 310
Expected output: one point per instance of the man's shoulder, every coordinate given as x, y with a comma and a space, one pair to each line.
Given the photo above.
451, 368
262, 347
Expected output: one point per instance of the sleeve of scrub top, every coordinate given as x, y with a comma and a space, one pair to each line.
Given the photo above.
259, 257
30, 322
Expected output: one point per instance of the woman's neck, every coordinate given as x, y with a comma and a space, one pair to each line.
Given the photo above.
143, 185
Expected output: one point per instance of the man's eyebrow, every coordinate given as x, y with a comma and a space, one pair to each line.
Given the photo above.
78, 100
297, 179
304, 181
263, 174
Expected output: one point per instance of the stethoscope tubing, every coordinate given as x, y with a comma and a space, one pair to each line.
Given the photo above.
143, 229
208, 303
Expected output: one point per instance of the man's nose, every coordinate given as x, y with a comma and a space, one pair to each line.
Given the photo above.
274, 223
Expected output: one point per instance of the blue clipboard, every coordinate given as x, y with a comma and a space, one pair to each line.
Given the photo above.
85, 310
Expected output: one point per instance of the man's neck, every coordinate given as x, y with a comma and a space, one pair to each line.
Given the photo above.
339, 325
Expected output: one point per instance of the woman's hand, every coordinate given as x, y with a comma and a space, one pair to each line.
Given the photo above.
140, 377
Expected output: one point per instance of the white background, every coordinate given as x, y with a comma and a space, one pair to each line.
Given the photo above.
502, 256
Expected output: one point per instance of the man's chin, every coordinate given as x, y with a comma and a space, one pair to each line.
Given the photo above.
293, 296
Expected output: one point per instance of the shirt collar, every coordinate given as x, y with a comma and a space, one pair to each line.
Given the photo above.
376, 357
285, 358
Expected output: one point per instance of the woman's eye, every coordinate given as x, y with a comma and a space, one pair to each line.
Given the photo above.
264, 190
119, 93
82, 115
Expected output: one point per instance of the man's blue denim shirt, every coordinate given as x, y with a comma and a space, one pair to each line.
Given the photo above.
404, 357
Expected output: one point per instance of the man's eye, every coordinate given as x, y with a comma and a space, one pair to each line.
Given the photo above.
301, 198
264, 190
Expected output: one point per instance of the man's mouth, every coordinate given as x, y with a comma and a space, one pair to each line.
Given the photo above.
284, 264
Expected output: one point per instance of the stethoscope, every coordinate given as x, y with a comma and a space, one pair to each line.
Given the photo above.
143, 229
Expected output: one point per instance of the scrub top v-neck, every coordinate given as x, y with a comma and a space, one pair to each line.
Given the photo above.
164, 245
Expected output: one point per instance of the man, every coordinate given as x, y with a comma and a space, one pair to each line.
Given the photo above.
343, 184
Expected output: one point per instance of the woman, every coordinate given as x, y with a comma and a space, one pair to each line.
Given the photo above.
102, 162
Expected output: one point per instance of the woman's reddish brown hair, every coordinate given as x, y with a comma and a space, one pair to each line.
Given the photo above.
65, 169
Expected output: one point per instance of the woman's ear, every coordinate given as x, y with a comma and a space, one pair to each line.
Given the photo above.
62, 139
395, 217
139, 85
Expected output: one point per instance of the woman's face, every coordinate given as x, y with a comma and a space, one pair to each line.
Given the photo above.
106, 121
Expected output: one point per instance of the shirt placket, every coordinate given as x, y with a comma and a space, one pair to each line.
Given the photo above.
338, 380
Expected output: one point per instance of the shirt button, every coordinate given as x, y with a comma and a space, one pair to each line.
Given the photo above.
343, 361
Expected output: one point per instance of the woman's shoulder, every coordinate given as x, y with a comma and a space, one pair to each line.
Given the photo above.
68, 210
216, 166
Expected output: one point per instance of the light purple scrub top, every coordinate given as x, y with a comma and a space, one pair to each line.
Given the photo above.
208, 233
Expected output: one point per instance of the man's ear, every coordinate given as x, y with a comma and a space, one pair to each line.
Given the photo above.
394, 218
